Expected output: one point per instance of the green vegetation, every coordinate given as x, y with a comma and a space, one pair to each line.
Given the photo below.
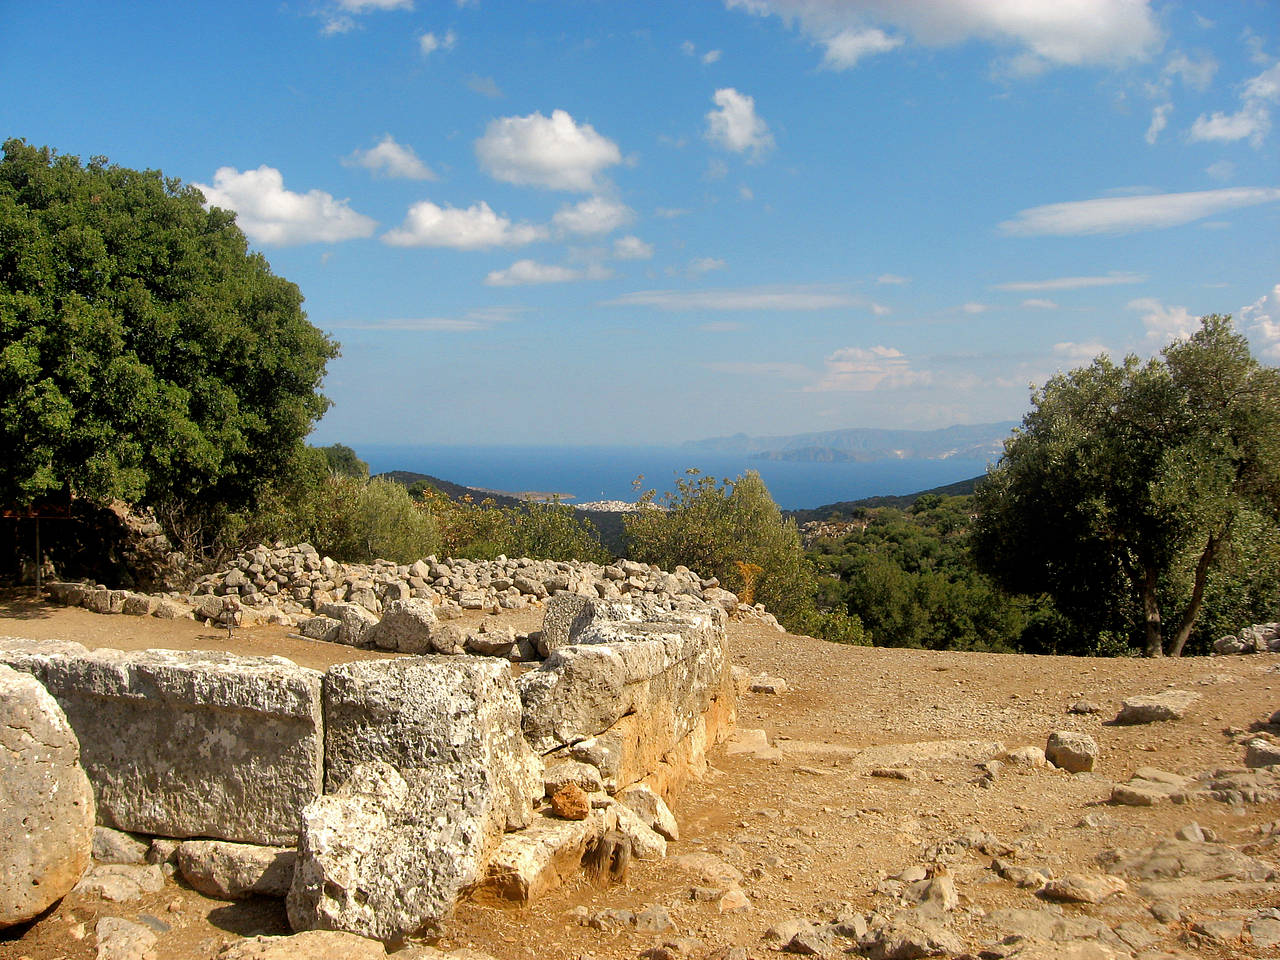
1129, 485
145, 353
732, 530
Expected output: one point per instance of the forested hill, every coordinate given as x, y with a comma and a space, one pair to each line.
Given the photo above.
846, 508
454, 491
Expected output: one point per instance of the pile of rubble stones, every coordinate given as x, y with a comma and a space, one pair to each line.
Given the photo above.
289, 585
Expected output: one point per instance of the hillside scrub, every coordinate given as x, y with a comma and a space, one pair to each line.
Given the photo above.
733, 530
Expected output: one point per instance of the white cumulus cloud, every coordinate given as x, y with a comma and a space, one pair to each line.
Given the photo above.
1041, 32
1252, 121
553, 152
735, 125
268, 213
475, 227
1165, 323
1159, 120
391, 159
1130, 214
1261, 320
847, 47
592, 217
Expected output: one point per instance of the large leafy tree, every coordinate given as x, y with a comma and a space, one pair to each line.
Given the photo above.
1127, 484
145, 353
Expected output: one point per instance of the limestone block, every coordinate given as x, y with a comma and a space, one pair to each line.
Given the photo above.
651, 809
68, 594
568, 614
235, 871
371, 863
455, 713
188, 743
321, 628
578, 691
121, 939
116, 846
46, 803
406, 626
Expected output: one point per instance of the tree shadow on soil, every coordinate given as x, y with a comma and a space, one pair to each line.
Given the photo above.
251, 918
21, 603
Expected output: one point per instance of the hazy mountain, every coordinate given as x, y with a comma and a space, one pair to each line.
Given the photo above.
864, 444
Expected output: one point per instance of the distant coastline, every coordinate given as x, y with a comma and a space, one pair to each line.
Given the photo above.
591, 474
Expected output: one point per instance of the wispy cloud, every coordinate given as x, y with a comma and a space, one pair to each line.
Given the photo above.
860, 369
479, 319
749, 298
1117, 215
1038, 303
892, 279
528, 272
735, 125
1072, 283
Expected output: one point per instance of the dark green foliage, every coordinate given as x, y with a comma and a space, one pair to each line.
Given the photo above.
907, 577
1128, 485
145, 353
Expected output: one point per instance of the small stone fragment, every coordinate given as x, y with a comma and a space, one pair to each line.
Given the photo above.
1082, 888
571, 803
1071, 751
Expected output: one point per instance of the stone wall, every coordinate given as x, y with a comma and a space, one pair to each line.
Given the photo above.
342, 764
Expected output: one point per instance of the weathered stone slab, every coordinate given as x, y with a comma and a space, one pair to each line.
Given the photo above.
1167, 705
406, 626
46, 803
188, 743
542, 856
309, 945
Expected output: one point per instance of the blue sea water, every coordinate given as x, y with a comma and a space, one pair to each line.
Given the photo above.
606, 473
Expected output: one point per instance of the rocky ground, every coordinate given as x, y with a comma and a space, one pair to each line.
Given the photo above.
869, 799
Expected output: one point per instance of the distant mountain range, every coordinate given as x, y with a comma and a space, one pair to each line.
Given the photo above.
865, 444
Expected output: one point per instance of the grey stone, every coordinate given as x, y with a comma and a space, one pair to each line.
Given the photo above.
773, 686
356, 619
406, 626
234, 871
46, 803
1175, 859
121, 939
188, 743
120, 882
907, 937
557, 773
321, 628
1169, 705
491, 641
116, 846
575, 693
1071, 751
646, 843
406, 736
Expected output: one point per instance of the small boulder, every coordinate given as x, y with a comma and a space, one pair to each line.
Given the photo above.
235, 871
308, 945
1082, 888
1071, 751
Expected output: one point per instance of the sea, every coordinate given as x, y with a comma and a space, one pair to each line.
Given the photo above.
587, 473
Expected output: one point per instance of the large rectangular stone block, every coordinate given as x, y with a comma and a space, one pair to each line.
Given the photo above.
188, 743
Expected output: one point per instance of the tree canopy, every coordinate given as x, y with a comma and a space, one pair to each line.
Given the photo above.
145, 353
1128, 484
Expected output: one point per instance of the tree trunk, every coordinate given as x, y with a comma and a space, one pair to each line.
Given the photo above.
1151, 614
1197, 594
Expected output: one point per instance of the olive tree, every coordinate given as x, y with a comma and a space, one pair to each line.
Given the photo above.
145, 353
1125, 484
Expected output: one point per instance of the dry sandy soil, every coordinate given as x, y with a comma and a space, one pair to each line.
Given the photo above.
810, 829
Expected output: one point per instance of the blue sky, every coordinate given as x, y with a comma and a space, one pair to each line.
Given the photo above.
639, 222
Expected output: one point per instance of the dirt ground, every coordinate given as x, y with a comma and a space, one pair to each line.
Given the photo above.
810, 829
